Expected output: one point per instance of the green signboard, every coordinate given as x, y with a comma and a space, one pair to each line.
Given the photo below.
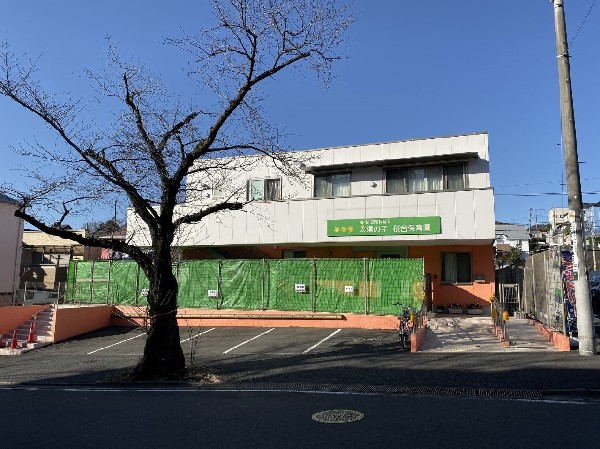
384, 226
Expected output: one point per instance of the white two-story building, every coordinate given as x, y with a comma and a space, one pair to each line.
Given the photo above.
421, 198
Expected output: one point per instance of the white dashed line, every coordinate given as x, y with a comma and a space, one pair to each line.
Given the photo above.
322, 341
247, 341
117, 343
195, 336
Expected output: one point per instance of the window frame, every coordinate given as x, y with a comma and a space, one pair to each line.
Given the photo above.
328, 178
443, 270
265, 196
405, 178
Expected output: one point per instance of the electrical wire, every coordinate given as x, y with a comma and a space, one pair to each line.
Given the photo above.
582, 23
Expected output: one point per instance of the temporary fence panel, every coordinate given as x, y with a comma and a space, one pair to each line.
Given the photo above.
241, 284
81, 291
395, 281
125, 287
290, 284
198, 283
100, 282
340, 285
323, 285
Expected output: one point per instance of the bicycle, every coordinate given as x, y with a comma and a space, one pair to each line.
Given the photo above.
405, 324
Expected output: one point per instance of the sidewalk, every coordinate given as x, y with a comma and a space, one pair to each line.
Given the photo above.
463, 333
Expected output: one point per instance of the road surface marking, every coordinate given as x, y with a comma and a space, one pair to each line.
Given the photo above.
248, 341
197, 335
322, 341
117, 343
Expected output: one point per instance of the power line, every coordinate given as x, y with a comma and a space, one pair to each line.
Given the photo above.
582, 23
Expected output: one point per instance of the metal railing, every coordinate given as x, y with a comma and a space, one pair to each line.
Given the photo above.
499, 318
40, 293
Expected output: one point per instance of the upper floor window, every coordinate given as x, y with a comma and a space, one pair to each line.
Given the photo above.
264, 189
332, 185
426, 179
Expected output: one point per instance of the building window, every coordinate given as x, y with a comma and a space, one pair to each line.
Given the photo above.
332, 185
456, 268
264, 189
425, 179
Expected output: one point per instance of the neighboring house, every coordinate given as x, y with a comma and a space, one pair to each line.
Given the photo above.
10, 248
559, 234
45, 259
421, 198
108, 254
510, 236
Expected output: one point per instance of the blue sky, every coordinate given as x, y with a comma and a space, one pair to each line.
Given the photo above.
414, 69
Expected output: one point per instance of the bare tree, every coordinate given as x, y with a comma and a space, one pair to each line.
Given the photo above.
157, 140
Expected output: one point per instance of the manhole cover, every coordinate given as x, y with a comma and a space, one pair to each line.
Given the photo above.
337, 416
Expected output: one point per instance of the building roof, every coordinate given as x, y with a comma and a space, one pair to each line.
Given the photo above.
7, 199
512, 231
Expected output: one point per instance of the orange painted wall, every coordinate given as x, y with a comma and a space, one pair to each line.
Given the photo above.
227, 319
72, 321
12, 317
482, 259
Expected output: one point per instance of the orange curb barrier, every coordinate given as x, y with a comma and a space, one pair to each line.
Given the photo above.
559, 340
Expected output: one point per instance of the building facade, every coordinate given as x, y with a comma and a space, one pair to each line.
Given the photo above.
10, 248
46, 258
421, 198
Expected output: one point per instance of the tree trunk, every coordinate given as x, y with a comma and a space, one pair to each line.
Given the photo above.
163, 357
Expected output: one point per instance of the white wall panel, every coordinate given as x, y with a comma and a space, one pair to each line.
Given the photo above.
465, 215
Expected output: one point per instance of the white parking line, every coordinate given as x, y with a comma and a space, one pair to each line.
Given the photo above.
247, 341
201, 333
117, 343
322, 341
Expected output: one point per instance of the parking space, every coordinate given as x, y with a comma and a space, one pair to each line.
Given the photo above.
222, 342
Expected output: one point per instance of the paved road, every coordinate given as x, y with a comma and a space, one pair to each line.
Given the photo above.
272, 420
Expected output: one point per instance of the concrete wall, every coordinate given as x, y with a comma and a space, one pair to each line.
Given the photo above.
12, 317
72, 321
259, 318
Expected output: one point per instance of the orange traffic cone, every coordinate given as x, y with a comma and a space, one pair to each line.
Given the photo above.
31, 337
13, 342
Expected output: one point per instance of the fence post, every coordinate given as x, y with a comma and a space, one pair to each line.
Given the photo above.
137, 283
262, 287
313, 287
74, 286
219, 282
92, 282
108, 285
366, 283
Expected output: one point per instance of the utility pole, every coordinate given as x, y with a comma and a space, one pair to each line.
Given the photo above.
585, 322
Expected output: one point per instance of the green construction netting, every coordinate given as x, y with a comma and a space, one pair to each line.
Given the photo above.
289, 284
322, 285
395, 281
196, 278
334, 280
241, 284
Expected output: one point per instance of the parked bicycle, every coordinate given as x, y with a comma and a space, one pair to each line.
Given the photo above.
405, 324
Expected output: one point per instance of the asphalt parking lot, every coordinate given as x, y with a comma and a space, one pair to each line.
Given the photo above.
227, 342
304, 359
